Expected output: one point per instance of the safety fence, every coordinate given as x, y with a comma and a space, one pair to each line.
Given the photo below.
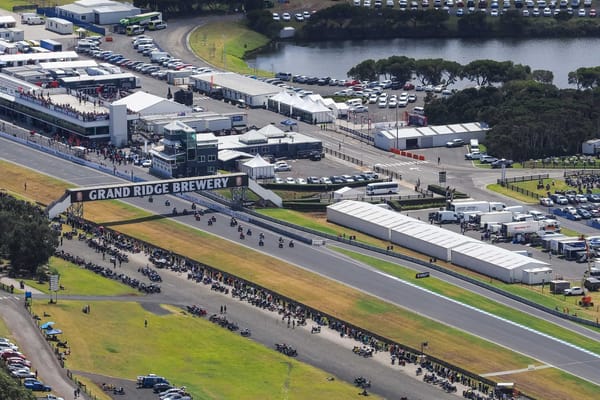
357, 134
507, 183
524, 178
581, 172
343, 156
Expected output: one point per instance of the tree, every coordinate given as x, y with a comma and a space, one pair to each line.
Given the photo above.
364, 71
429, 71
26, 238
585, 77
11, 390
543, 76
399, 67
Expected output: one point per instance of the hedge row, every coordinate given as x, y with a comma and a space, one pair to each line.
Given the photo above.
437, 189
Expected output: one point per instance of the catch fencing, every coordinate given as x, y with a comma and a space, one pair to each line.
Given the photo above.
507, 183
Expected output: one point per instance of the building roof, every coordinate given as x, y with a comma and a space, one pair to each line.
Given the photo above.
498, 256
433, 234
68, 64
234, 142
229, 155
57, 55
141, 101
7, 19
239, 83
257, 161
433, 130
271, 131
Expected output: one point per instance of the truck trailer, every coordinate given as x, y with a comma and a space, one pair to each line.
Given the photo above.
480, 206
51, 45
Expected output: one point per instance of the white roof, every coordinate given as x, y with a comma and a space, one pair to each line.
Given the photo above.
433, 234
7, 19
434, 130
228, 155
140, 102
239, 83
68, 64
271, 131
59, 21
56, 55
257, 162
496, 255
536, 270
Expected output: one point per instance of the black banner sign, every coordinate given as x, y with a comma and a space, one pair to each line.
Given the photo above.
156, 188
422, 275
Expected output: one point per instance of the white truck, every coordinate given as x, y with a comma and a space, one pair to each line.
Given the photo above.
510, 229
494, 217
31, 19
444, 217
481, 206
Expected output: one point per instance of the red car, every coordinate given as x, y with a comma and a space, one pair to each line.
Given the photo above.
352, 83
408, 86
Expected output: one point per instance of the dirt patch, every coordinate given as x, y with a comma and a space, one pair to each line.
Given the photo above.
155, 308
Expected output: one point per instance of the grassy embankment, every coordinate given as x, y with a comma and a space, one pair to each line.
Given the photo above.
81, 282
224, 44
535, 293
214, 363
366, 311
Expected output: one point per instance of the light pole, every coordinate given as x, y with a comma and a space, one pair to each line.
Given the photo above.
423, 346
397, 133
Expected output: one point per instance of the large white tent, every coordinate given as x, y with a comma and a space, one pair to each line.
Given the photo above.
367, 218
494, 261
429, 239
258, 168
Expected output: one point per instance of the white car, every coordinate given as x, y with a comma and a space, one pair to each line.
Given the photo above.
23, 373
275, 17
286, 17
302, 181
574, 291
147, 163
546, 201
325, 180
282, 166
290, 180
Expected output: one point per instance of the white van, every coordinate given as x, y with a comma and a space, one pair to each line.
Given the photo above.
354, 102
419, 110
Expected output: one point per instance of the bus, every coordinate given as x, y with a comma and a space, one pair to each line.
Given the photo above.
141, 19
92, 83
382, 188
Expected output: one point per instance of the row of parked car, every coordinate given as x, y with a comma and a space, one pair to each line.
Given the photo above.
329, 180
299, 16
19, 367
158, 66
570, 197
479, 4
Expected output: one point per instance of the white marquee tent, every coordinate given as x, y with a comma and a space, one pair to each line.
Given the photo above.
258, 168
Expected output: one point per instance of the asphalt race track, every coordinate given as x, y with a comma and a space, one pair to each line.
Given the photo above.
328, 263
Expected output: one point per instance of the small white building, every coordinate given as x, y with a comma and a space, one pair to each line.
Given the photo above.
236, 87
258, 168
7, 21
412, 137
537, 276
12, 34
591, 147
59, 25
100, 12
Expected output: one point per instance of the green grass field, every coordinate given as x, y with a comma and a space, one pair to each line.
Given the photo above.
211, 361
223, 44
79, 281
478, 301
357, 308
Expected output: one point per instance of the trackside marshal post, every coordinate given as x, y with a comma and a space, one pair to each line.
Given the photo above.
171, 186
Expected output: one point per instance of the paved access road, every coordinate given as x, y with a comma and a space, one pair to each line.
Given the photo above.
330, 264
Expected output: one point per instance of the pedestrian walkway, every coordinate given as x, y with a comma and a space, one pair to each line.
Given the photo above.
398, 164
10, 281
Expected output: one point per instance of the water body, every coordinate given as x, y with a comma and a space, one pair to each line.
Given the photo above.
335, 58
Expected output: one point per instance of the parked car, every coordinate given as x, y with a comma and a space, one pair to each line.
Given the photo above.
473, 156
580, 198
574, 291
313, 180
546, 201
485, 159
584, 214
290, 180
336, 179
147, 163
35, 385
593, 198
455, 143
325, 181
282, 166
23, 373
502, 162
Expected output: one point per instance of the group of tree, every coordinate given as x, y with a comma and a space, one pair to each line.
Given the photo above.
527, 119
26, 238
11, 390
174, 8
435, 71
346, 22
